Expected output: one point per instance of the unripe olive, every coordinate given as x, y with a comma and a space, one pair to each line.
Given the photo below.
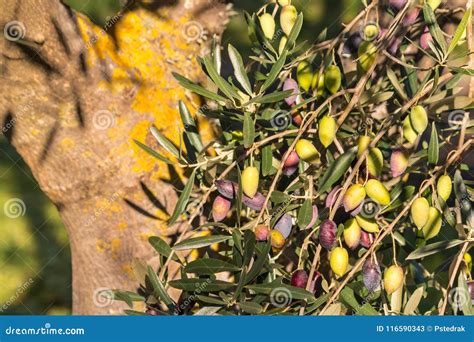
351, 233
418, 119
226, 188
255, 203
262, 232
367, 55
408, 132
339, 260
367, 224
393, 279
327, 234
377, 191
371, 274
444, 187
353, 197
291, 84
288, 18
220, 208
292, 159
398, 163
420, 211
267, 23
278, 241
282, 44
250, 179
375, 162
284, 2
327, 130
299, 279
304, 75
433, 225
434, 4
468, 261
426, 38
362, 145
333, 78
331, 197
284, 225
306, 150
318, 84
371, 31
366, 239
314, 218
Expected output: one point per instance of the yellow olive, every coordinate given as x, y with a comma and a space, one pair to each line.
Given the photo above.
267, 23
367, 55
352, 233
284, 2
288, 18
363, 144
444, 187
318, 84
327, 130
420, 211
408, 132
398, 163
375, 162
282, 44
306, 150
277, 239
339, 260
433, 224
332, 79
434, 4
304, 75
367, 224
250, 179
371, 31
418, 119
377, 191
353, 197
393, 279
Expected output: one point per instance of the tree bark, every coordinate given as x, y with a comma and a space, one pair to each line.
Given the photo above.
74, 97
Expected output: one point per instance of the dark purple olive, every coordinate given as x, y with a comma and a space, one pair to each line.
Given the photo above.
289, 170
316, 285
291, 84
327, 234
152, 312
397, 4
299, 279
255, 203
366, 239
284, 225
226, 188
411, 17
470, 286
351, 45
371, 274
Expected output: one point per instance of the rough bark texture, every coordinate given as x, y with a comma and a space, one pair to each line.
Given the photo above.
73, 98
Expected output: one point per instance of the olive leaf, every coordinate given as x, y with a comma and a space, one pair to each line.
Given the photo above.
199, 242
239, 69
336, 170
183, 199
433, 148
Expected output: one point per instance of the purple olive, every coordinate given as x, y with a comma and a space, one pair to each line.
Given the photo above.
327, 234
331, 197
255, 203
351, 45
299, 279
291, 84
226, 188
284, 225
426, 38
397, 4
357, 210
314, 218
220, 208
371, 274
366, 239
290, 170
411, 17
470, 286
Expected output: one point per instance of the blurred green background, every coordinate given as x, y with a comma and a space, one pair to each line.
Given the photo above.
35, 270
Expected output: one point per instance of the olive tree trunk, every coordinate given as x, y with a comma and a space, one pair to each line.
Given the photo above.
74, 96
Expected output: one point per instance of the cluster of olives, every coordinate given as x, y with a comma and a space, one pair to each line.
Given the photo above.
288, 17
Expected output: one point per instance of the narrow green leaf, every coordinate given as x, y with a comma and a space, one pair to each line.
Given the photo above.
305, 214
249, 246
433, 148
190, 127
464, 71
188, 84
393, 78
367, 310
204, 285
162, 247
200, 242
250, 307
249, 130
435, 30
153, 153
125, 296
267, 160
337, 169
274, 72
459, 31
276, 96
294, 33
222, 84
414, 301
209, 266
183, 199
276, 288
433, 248
164, 142
262, 258
158, 289
239, 69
